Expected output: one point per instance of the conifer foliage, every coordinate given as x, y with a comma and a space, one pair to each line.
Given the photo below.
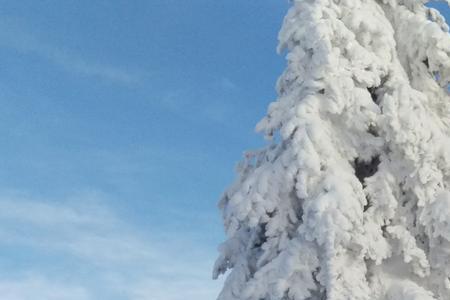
351, 199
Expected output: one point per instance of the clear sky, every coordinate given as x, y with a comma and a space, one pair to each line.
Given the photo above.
120, 125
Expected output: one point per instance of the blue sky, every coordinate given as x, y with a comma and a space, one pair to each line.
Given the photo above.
120, 124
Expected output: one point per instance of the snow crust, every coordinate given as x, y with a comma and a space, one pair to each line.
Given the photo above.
351, 199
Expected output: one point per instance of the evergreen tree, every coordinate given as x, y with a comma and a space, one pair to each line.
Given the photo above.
351, 199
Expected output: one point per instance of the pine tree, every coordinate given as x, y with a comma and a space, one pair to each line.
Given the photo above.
351, 198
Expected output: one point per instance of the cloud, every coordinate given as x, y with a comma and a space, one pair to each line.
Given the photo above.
154, 289
17, 207
38, 288
16, 37
227, 84
79, 227
214, 101
118, 259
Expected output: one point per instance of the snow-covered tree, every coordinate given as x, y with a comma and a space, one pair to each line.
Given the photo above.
351, 199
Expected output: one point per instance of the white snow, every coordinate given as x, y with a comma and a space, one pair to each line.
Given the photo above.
353, 200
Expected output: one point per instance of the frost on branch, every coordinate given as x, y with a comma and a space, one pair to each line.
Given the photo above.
352, 200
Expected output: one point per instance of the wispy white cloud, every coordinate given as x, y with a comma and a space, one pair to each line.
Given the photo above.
157, 289
18, 207
125, 261
79, 227
214, 101
39, 288
227, 84
14, 36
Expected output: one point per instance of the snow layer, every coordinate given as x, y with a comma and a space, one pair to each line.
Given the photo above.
351, 199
